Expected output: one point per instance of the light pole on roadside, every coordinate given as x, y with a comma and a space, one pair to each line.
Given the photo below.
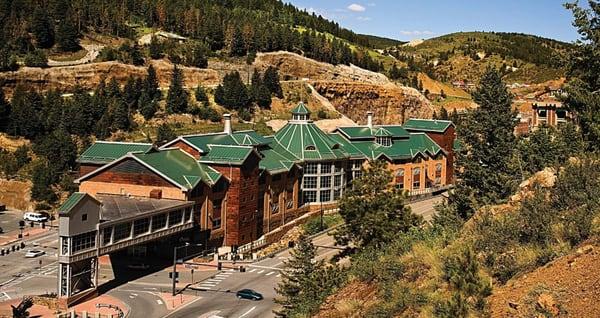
174, 273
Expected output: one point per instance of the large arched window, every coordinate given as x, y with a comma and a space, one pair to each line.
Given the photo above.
400, 178
438, 173
416, 176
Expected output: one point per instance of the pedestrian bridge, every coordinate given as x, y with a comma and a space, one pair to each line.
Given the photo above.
93, 226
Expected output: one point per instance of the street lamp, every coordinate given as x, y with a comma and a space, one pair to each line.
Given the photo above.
174, 274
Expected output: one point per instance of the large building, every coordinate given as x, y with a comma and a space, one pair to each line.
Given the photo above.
233, 187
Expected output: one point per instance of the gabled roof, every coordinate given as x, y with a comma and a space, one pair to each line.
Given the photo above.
432, 125
102, 152
239, 138
307, 142
417, 144
364, 132
275, 158
301, 109
226, 154
348, 146
72, 201
173, 164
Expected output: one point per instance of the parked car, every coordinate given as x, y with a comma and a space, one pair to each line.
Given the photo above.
138, 266
34, 253
35, 217
249, 294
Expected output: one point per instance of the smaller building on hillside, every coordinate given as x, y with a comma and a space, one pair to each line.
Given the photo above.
549, 113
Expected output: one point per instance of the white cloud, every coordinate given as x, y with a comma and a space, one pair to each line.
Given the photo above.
361, 18
356, 8
425, 32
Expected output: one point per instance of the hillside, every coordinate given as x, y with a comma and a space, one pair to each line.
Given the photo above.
464, 56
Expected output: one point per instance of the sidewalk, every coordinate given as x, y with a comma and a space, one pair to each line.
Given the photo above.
13, 236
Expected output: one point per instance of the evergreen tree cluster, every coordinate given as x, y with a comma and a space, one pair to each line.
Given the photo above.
237, 27
232, 93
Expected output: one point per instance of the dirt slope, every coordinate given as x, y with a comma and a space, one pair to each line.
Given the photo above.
567, 287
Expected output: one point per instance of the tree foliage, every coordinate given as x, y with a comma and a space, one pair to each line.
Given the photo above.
373, 210
232, 93
177, 98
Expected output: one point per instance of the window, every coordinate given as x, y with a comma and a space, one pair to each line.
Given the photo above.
337, 181
84, 217
141, 226
400, 178
122, 232
106, 232
326, 182
159, 222
216, 223
188, 215
220, 186
276, 177
217, 205
326, 168
275, 207
310, 148
384, 141
416, 178
83, 242
310, 196
542, 113
311, 168
336, 194
310, 182
325, 196
198, 191
175, 217
338, 167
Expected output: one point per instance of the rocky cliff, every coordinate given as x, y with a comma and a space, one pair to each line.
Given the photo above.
89, 75
390, 103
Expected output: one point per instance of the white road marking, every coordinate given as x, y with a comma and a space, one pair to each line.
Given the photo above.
232, 270
134, 294
151, 288
270, 273
282, 257
132, 297
266, 267
278, 275
158, 301
214, 280
261, 271
208, 284
252, 270
247, 312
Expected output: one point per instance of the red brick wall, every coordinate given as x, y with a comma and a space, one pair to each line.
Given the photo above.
86, 168
241, 223
116, 175
187, 148
446, 141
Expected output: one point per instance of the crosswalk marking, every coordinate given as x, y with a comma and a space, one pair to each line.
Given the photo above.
278, 275
270, 273
252, 270
261, 271
158, 301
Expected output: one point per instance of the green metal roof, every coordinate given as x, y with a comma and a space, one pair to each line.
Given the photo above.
179, 167
300, 109
238, 138
307, 142
433, 125
103, 152
364, 132
418, 143
382, 132
226, 154
71, 202
348, 146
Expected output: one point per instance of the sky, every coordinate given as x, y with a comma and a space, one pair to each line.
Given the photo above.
420, 19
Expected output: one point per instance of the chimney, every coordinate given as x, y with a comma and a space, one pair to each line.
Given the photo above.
370, 119
227, 127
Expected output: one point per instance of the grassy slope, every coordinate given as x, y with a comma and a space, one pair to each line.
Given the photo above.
463, 67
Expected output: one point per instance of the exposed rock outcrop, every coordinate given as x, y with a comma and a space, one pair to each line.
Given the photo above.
391, 103
89, 75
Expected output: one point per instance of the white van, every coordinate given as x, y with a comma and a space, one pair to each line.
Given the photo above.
35, 217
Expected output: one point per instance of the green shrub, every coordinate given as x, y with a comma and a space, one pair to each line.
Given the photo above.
36, 58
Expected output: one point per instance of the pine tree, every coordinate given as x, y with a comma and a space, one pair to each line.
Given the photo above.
164, 134
121, 118
200, 94
255, 84
232, 93
67, 36
271, 80
155, 48
5, 110
42, 180
485, 172
26, 108
131, 92
151, 85
373, 210
237, 45
177, 99
42, 29
147, 106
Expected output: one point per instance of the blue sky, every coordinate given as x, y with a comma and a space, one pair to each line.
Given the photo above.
416, 19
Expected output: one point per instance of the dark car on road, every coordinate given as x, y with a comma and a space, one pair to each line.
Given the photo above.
249, 294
